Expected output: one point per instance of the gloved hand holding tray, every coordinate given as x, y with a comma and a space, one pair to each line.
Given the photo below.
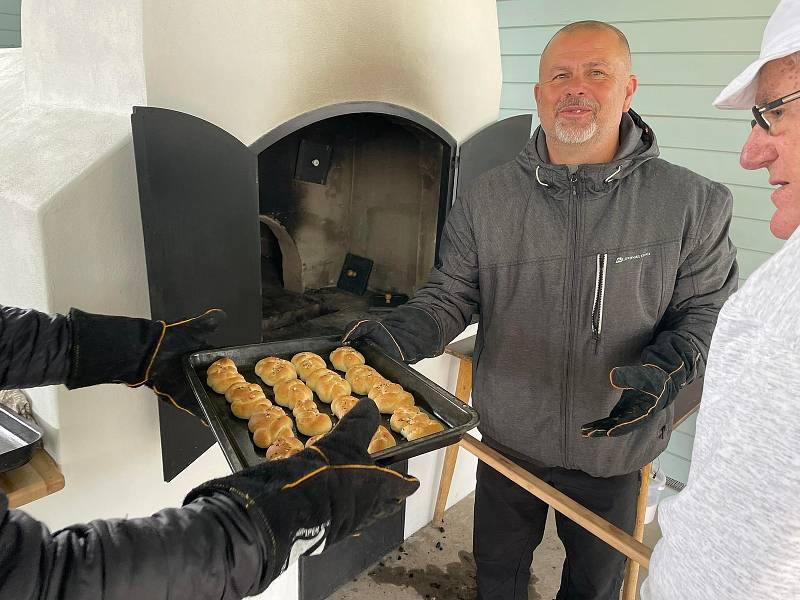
236, 440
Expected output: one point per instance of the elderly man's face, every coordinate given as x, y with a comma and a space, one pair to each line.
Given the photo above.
778, 151
584, 86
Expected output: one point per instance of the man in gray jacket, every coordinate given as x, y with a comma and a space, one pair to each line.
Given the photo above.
596, 267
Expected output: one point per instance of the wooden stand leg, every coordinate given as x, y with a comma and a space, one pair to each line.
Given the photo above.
632, 567
609, 533
463, 389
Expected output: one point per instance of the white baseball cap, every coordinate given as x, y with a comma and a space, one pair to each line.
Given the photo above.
781, 38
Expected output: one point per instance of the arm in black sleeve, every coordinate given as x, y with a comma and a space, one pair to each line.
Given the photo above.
705, 280
78, 349
34, 348
83, 349
209, 549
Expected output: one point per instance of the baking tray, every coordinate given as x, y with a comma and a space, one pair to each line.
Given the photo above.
236, 440
18, 440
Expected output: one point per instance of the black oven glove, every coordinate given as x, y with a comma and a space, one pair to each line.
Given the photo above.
646, 389
408, 334
329, 491
136, 352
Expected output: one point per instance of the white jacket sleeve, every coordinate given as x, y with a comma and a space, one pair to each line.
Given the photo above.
734, 531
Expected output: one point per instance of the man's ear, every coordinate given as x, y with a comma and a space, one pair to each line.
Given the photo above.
630, 90
536, 93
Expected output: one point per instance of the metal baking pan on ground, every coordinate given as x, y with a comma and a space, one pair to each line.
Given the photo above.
235, 439
18, 440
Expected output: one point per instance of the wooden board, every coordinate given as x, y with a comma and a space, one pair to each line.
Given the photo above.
462, 348
612, 535
38, 478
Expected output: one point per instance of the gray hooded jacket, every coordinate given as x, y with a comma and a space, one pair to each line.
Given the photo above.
574, 274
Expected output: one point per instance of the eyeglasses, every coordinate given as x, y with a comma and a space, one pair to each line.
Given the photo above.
759, 110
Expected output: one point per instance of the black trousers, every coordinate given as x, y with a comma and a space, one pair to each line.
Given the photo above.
509, 525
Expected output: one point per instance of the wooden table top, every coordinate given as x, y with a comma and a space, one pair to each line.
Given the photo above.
36, 479
686, 404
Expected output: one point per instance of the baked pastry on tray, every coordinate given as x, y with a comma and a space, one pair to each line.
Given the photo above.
284, 448
382, 439
362, 377
272, 370
306, 363
345, 357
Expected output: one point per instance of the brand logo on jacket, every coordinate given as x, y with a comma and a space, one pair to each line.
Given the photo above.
622, 259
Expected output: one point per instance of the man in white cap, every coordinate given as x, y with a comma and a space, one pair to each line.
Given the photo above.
734, 532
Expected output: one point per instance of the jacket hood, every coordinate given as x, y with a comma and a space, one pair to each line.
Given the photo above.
637, 145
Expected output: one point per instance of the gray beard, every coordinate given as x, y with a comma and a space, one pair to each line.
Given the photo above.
568, 135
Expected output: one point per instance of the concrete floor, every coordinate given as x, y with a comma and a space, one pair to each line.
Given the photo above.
437, 564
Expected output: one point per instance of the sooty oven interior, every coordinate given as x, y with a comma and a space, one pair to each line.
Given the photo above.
350, 211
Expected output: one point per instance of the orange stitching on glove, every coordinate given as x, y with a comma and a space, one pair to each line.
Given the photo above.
176, 405
658, 398
346, 335
334, 467
402, 356
210, 310
321, 453
165, 326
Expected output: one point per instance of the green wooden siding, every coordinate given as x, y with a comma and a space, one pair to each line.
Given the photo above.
684, 52
10, 36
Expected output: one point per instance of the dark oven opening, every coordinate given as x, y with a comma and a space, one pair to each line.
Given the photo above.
367, 185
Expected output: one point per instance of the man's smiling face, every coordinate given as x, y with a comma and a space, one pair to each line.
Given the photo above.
584, 86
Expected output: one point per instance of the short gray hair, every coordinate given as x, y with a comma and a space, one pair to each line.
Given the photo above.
597, 26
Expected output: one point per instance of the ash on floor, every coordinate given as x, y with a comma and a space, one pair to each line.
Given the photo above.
437, 564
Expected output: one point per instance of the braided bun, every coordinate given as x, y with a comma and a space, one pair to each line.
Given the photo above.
272, 430
273, 370
341, 405
261, 418
222, 379
419, 426
304, 404
290, 392
361, 378
345, 357
244, 409
420, 430
382, 439
313, 422
220, 364
388, 402
330, 387
402, 416
284, 448
315, 376
306, 363
243, 391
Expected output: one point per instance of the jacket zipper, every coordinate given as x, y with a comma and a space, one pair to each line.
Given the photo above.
565, 412
599, 296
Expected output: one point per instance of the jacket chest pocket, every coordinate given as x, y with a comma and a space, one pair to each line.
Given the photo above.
624, 297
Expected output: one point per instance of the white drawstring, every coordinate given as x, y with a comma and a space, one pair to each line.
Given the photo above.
610, 177
539, 180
